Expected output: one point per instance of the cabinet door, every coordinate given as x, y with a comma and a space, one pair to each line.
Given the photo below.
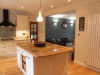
25, 23
43, 65
28, 65
60, 63
18, 58
20, 23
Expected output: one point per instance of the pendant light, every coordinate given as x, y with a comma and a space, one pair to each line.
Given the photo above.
40, 19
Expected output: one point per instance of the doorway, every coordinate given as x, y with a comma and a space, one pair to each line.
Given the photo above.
34, 31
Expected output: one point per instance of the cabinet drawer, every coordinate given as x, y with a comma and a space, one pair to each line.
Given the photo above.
24, 53
9, 48
11, 43
5, 53
22, 41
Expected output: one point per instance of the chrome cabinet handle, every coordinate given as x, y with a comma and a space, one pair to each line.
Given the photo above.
22, 52
17, 50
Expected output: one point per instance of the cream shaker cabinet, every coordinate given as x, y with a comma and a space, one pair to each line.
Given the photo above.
24, 61
22, 22
9, 49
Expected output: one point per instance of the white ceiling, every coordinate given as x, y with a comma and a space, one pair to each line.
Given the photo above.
67, 15
33, 6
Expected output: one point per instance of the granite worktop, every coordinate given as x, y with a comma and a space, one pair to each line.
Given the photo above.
48, 50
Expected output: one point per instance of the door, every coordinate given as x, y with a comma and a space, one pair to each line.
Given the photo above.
34, 31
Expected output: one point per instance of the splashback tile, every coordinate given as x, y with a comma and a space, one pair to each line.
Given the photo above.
7, 32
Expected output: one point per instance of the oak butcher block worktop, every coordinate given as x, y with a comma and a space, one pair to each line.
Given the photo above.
43, 51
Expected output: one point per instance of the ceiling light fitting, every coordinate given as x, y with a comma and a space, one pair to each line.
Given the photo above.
40, 19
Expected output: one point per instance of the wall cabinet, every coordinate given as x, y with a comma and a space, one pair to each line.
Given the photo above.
22, 22
9, 48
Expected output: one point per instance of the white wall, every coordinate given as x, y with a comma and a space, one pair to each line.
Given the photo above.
81, 41
84, 9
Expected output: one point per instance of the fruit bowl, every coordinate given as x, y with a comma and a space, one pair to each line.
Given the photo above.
39, 44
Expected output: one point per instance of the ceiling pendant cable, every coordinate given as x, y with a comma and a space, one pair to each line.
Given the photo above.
40, 19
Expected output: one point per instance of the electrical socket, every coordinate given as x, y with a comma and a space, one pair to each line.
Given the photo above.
23, 33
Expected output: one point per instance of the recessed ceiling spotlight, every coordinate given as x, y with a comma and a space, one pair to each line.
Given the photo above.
21, 7
41, 10
69, 0
51, 6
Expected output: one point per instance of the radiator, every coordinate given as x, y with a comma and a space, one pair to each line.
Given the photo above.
93, 41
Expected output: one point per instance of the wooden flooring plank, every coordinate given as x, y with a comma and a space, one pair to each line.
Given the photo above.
73, 69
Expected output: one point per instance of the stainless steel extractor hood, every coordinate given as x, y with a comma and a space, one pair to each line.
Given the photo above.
6, 19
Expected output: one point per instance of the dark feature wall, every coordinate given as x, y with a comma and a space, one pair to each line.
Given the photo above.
57, 31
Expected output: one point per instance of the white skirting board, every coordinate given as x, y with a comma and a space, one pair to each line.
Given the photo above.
87, 66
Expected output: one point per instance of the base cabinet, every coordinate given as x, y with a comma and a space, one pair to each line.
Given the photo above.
9, 48
24, 61
50, 65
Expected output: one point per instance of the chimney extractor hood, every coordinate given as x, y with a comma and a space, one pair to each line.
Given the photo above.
6, 19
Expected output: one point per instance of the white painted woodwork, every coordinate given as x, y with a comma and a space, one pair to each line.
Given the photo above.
50, 65
18, 57
9, 48
22, 22
28, 60
93, 41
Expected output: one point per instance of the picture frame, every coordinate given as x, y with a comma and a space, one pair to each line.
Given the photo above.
64, 25
81, 23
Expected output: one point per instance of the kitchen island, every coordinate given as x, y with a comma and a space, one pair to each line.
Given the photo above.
49, 60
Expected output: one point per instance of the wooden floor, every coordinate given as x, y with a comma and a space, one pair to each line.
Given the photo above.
73, 69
